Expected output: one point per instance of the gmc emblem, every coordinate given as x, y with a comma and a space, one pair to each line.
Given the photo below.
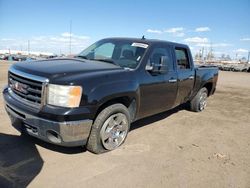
18, 86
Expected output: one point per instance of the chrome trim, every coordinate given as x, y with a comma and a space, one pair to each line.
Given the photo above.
70, 131
44, 93
27, 75
114, 131
23, 100
43, 80
172, 80
13, 113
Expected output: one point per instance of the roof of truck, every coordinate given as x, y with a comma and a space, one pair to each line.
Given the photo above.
146, 41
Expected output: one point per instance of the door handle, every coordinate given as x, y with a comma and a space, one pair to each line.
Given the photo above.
191, 77
172, 80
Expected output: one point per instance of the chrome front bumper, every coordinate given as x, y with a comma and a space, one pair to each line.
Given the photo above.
71, 133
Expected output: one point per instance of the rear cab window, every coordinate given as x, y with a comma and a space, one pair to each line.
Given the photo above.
182, 59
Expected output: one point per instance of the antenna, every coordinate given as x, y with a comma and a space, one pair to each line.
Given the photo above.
70, 31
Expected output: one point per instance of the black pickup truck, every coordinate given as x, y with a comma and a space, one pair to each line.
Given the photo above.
93, 98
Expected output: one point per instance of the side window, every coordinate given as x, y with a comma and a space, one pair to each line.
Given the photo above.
182, 58
104, 51
156, 55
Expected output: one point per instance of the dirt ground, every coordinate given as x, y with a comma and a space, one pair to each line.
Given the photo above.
172, 149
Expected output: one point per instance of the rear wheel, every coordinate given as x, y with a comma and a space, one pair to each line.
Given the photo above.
110, 129
199, 102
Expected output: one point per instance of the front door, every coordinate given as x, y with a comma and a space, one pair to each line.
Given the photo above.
158, 91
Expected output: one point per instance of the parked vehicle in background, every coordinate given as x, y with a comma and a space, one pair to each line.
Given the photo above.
2, 57
92, 99
243, 67
14, 58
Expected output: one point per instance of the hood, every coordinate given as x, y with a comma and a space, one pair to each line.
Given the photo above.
62, 67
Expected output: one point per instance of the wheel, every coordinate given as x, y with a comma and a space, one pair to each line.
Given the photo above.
110, 129
199, 102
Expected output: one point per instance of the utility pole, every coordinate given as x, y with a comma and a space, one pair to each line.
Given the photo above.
202, 54
70, 33
28, 47
211, 51
248, 59
206, 54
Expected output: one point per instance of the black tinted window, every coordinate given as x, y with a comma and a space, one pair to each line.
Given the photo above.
125, 53
156, 55
182, 58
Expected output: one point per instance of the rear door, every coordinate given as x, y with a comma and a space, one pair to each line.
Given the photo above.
186, 74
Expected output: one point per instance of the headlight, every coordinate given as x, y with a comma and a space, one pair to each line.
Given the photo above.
65, 96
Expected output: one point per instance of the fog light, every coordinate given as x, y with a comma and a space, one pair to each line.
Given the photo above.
53, 136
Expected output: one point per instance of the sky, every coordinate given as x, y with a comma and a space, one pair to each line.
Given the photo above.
222, 24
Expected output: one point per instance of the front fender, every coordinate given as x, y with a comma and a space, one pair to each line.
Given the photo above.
111, 90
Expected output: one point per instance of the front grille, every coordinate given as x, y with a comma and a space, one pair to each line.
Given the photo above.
26, 88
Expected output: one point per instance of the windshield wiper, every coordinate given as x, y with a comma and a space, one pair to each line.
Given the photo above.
107, 60
82, 56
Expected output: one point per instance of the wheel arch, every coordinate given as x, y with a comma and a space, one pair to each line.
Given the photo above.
209, 87
128, 101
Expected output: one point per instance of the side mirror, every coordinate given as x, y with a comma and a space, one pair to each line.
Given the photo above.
159, 68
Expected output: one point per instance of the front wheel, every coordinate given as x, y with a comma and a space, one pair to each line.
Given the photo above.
110, 129
199, 102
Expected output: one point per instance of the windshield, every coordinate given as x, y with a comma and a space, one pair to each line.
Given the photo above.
123, 53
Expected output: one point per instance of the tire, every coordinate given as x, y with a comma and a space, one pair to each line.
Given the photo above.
199, 102
110, 129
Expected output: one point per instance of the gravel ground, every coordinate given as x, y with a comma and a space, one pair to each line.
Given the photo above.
177, 148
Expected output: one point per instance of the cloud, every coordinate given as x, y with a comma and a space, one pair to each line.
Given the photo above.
66, 34
7, 39
202, 29
221, 45
245, 39
154, 31
206, 44
51, 43
196, 40
58, 39
203, 45
39, 38
179, 34
240, 50
174, 30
